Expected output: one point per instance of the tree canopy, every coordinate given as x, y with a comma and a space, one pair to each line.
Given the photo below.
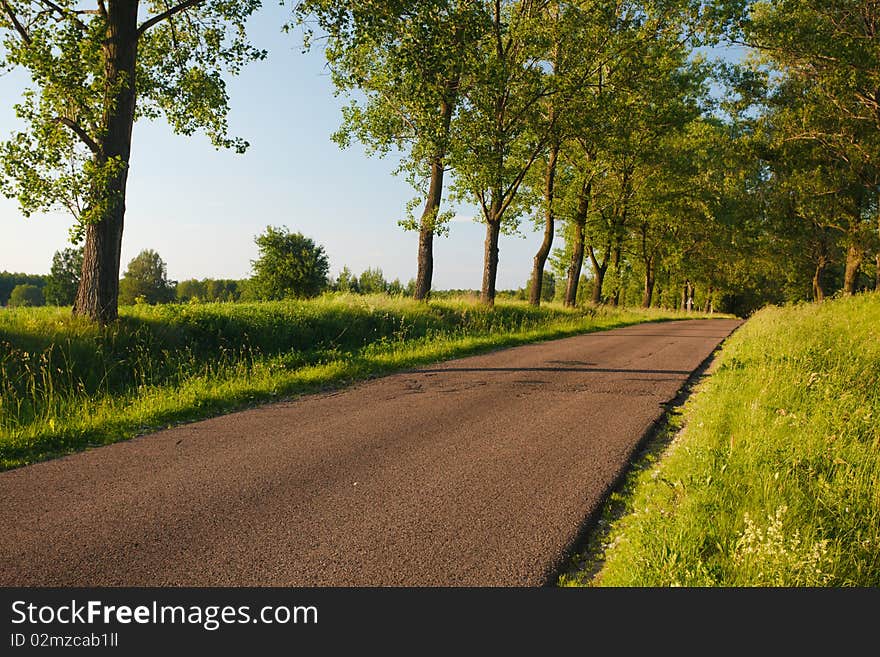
290, 265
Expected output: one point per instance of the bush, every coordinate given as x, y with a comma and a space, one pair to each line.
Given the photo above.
290, 266
26, 295
146, 280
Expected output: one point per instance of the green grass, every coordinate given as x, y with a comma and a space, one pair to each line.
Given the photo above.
66, 384
775, 478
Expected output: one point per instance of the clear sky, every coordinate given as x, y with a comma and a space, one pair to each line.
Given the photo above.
201, 208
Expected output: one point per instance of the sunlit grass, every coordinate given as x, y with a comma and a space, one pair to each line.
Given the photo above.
775, 479
67, 384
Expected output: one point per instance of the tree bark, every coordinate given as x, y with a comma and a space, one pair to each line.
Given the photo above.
648, 260
648, 293
818, 287
490, 263
877, 274
428, 221
854, 255
537, 282
599, 270
490, 252
615, 264
427, 225
574, 265
97, 296
577, 248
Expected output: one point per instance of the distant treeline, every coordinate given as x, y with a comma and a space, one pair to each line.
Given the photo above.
9, 281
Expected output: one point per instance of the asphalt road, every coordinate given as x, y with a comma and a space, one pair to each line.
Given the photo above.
476, 471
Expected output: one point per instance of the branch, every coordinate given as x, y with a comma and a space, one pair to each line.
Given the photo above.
16, 23
71, 13
79, 132
183, 6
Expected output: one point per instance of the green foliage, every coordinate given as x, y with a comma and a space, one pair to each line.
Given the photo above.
372, 281
63, 280
25, 295
775, 479
209, 289
8, 282
59, 158
146, 280
403, 65
346, 281
290, 265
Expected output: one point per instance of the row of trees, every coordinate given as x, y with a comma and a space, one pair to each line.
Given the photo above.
594, 119
289, 265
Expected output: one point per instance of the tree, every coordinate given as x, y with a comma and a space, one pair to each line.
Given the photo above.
827, 52
191, 290
146, 280
406, 60
548, 287
94, 73
346, 281
63, 280
26, 295
495, 142
290, 265
372, 281
9, 280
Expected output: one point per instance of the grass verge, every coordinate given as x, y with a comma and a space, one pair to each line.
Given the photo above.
775, 478
66, 384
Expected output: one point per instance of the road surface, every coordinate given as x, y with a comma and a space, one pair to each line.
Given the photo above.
478, 471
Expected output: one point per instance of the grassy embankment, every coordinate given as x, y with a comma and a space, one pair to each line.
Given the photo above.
775, 478
66, 385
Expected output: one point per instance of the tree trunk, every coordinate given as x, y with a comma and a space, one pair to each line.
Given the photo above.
97, 296
540, 259
490, 253
426, 232
854, 256
574, 265
648, 294
615, 264
577, 248
877, 274
599, 270
818, 288
428, 222
648, 260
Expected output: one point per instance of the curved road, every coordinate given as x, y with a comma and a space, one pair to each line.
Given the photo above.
476, 471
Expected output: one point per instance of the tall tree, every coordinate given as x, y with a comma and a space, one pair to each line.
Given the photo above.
146, 280
95, 71
63, 280
828, 52
404, 64
290, 265
496, 143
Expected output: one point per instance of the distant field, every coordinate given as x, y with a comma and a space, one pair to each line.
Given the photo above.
66, 384
775, 478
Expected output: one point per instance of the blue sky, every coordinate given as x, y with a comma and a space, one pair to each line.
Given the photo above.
201, 208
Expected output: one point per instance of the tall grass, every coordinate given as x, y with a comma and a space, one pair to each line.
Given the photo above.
775, 479
66, 384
